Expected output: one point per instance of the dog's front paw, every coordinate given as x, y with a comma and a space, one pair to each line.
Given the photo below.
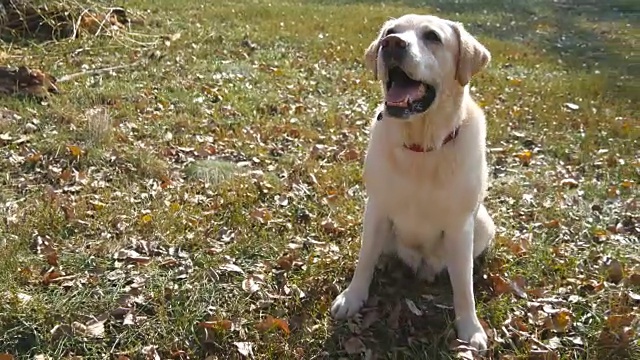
474, 334
348, 303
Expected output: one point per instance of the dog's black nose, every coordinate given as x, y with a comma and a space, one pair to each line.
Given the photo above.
393, 49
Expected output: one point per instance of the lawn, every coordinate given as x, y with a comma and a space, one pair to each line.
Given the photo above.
206, 202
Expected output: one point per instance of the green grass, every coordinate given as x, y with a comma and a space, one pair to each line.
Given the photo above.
277, 234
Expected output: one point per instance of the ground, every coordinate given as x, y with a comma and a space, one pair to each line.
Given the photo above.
208, 202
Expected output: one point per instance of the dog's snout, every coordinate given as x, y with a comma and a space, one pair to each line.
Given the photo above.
393, 49
393, 41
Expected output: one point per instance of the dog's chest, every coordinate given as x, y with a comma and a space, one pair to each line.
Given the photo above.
419, 209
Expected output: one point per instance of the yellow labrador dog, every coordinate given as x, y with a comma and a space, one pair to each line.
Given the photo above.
425, 170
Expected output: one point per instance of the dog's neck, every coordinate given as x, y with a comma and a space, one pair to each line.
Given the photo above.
437, 126
420, 149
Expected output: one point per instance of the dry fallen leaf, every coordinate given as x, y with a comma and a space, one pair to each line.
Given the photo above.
217, 324
634, 279
74, 150
262, 215
615, 271
413, 308
251, 284
150, 352
270, 323
524, 157
518, 284
369, 319
543, 355
462, 350
354, 346
230, 267
146, 218
569, 183
131, 256
6, 357
285, 262
61, 331
46, 248
393, 320
244, 348
617, 322
559, 321
499, 284
571, 106
92, 329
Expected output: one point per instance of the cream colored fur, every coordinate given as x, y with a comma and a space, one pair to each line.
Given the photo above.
427, 207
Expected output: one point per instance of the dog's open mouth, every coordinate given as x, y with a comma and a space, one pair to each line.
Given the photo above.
406, 96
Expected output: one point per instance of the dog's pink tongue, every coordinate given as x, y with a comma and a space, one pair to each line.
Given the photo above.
398, 93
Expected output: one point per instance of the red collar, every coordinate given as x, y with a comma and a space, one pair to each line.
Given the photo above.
418, 148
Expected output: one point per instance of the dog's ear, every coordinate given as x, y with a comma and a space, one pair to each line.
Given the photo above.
472, 56
371, 54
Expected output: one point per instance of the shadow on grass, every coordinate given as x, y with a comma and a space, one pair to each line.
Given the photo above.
389, 327
584, 35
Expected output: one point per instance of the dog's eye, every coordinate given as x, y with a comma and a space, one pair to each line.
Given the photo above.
431, 36
390, 32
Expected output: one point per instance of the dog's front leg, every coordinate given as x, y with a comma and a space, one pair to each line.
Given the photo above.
376, 230
459, 246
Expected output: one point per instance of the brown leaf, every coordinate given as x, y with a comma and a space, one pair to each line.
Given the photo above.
520, 245
559, 321
74, 150
518, 284
25, 81
350, 154
51, 276
354, 346
217, 324
634, 279
285, 262
552, 224
270, 323
394, 317
262, 215
369, 319
499, 284
524, 157
52, 258
617, 322
615, 271
543, 355
6, 357
45, 247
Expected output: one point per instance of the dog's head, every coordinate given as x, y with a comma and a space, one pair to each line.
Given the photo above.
420, 57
